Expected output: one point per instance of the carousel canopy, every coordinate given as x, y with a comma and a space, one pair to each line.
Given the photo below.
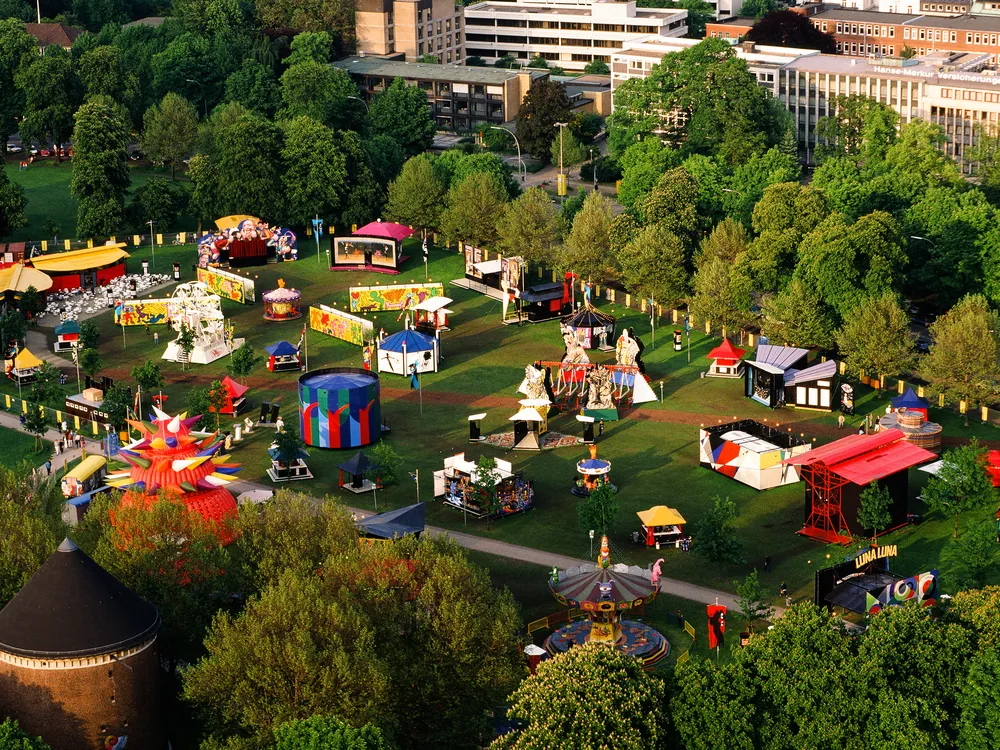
625, 589
25, 360
588, 316
660, 515
385, 229
281, 349
726, 352
394, 523
282, 293
413, 341
356, 465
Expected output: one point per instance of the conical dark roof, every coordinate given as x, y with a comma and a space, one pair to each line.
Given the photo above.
74, 607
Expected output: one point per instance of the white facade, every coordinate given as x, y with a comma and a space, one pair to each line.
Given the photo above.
566, 34
726, 8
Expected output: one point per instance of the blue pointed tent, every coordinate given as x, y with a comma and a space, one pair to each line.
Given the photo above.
400, 351
414, 341
394, 523
911, 402
281, 349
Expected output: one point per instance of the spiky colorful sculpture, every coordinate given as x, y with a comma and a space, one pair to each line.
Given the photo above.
171, 457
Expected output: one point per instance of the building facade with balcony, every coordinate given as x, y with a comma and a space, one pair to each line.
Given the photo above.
566, 34
459, 96
412, 28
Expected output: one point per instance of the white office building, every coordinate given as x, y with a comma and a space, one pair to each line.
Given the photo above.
566, 34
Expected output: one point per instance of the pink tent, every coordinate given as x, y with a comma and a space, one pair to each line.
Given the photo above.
384, 229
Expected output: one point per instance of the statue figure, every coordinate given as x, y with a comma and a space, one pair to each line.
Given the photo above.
533, 385
626, 350
604, 559
655, 578
575, 353
600, 389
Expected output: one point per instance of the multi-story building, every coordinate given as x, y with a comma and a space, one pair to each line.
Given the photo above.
735, 27
871, 33
410, 27
567, 34
957, 91
459, 96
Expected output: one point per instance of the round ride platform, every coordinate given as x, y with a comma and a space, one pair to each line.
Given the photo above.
638, 640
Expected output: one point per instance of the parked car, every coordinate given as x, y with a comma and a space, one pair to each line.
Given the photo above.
33, 150
45, 152
14, 148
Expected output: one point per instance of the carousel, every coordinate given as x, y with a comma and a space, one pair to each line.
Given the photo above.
604, 593
593, 472
282, 303
591, 328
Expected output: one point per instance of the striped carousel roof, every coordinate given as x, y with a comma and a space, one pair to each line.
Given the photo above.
614, 584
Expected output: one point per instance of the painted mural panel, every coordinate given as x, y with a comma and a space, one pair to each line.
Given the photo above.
397, 297
340, 325
228, 285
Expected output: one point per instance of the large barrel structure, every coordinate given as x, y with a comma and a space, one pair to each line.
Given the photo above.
339, 407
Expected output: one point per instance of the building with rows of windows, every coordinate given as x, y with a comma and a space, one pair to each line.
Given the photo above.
567, 34
413, 28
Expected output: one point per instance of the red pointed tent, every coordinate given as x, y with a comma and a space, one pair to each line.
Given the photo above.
234, 392
726, 354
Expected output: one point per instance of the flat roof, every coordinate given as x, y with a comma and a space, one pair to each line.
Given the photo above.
512, 8
922, 71
964, 22
429, 71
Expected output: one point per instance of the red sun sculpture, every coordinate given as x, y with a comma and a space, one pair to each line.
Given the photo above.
172, 458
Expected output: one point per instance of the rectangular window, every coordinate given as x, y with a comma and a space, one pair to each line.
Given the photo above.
892, 32
824, 25
840, 27
906, 33
977, 39
968, 38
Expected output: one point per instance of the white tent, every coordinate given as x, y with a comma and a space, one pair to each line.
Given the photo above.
399, 352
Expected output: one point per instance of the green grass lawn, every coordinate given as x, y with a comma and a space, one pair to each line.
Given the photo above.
17, 446
47, 187
654, 450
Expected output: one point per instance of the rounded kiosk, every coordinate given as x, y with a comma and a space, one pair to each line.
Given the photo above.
282, 303
339, 407
79, 658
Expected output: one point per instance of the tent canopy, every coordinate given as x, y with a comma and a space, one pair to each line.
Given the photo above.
281, 349
527, 414
543, 292
863, 459
234, 389
80, 260
231, 222
588, 316
25, 360
487, 267
660, 515
780, 357
432, 304
810, 374
910, 400
17, 279
356, 465
394, 523
414, 341
67, 327
385, 229
726, 352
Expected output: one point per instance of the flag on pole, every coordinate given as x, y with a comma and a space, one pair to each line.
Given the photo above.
302, 337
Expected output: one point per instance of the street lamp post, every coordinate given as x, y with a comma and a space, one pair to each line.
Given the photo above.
561, 188
522, 170
152, 245
359, 99
593, 167
204, 101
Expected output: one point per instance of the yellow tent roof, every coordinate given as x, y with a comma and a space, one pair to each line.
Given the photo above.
80, 260
228, 222
87, 467
25, 360
660, 515
17, 279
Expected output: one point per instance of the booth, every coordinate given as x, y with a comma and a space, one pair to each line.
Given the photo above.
432, 314
88, 405
288, 471
283, 357
751, 453
528, 429
67, 336
544, 301
813, 387
726, 359
282, 303
393, 524
764, 376
86, 476
591, 328
400, 351
339, 407
356, 468
23, 367
374, 247
911, 402
836, 474
235, 397
454, 485
661, 525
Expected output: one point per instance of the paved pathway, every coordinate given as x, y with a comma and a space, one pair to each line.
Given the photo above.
58, 460
37, 344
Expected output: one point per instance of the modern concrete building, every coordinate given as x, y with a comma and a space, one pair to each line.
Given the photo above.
411, 27
459, 96
567, 34
954, 90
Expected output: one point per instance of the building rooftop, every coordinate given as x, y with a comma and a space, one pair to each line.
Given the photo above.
154, 21
926, 69
964, 22
48, 34
506, 8
372, 66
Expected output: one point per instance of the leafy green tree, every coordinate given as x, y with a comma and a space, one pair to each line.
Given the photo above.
12, 203
327, 733
786, 28
506, 61
196, 405
170, 130
31, 304
544, 105
117, 403
429, 59
876, 338
789, 205
36, 424
18, 50
310, 46
652, 265
754, 604
573, 205
798, 317
26, 540
475, 61
243, 361
961, 484
157, 200
599, 510
979, 704
474, 205
89, 335
568, 147
597, 68
861, 128
758, 8
672, 203
249, 167
590, 696
45, 388
874, 510
148, 376
218, 397
181, 66
975, 610
483, 484
17, 10
12, 737
624, 228
335, 17
103, 74
964, 359
714, 534
91, 361
315, 174
401, 112
254, 86
752, 177
318, 91
642, 165
386, 463
416, 195
721, 294
531, 227
185, 342
100, 168
587, 250
489, 164
50, 88
975, 554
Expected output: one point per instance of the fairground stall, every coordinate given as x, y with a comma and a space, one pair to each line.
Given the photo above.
751, 452
454, 485
764, 376
83, 269
401, 351
283, 357
376, 246
726, 361
661, 525
282, 303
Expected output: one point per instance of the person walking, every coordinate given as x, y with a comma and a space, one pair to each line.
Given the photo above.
840, 422
767, 563
48, 468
